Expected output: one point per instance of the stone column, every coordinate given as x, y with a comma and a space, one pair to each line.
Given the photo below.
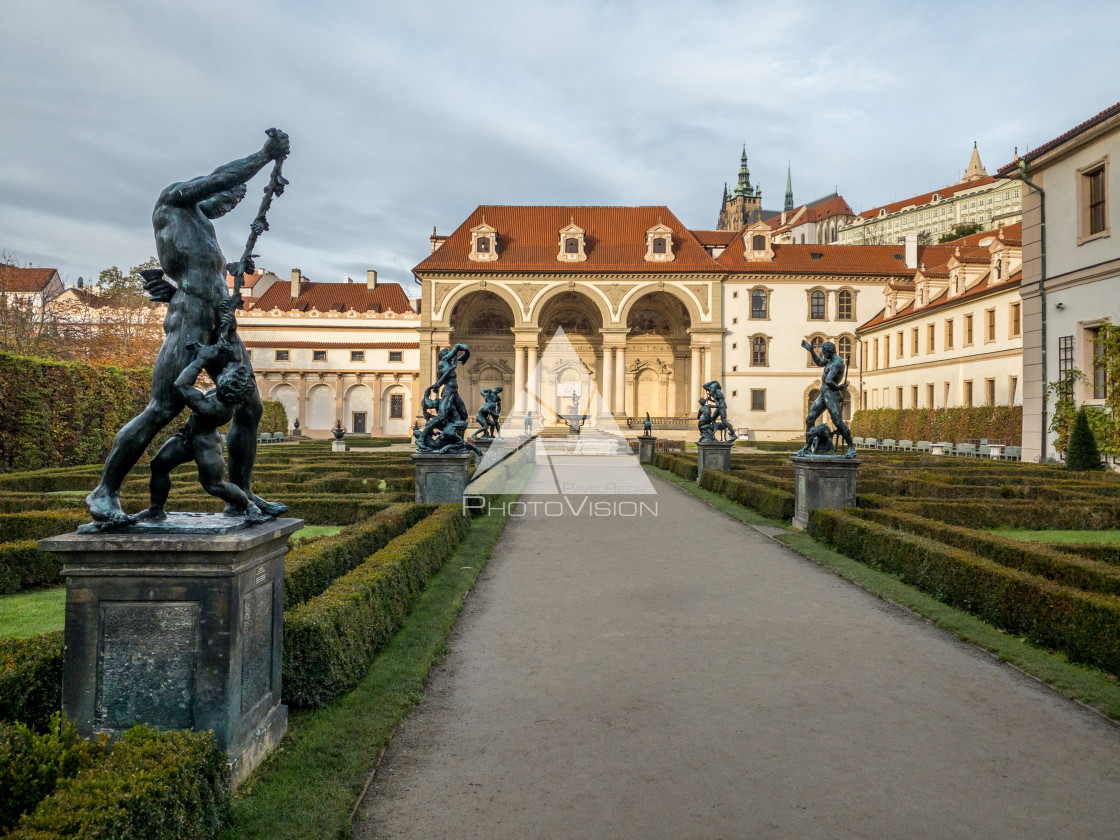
608, 378
377, 405
707, 364
301, 404
620, 380
694, 380
518, 371
532, 382
339, 388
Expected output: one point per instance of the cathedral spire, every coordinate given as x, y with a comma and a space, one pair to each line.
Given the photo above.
975, 168
789, 189
743, 188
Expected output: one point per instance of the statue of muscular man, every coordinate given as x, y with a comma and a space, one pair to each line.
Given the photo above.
188, 251
833, 391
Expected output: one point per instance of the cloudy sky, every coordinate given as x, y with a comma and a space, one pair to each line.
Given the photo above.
407, 115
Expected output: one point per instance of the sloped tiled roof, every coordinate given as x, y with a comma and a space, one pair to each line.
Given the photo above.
926, 198
340, 297
529, 236
852, 260
943, 300
829, 207
1107, 113
16, 279
1012, 235
715, 238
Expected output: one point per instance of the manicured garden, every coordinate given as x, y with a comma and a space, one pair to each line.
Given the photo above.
954, 529
350, 581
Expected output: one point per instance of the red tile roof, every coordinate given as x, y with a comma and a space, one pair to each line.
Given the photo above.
943, 300
340, 297
926, 198
1011, 234
715, 238
874, 260
1107, 113
835, 206
16, 279
529, 237
331, 345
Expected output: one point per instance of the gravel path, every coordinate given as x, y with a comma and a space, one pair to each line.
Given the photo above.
684, 676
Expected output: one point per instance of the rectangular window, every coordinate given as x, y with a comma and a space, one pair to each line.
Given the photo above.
357, 355
898, 346
1012, 389
1092, 201
990, 316
1100, 369
949, 334
913, 396
989, 392
1016, 320
929, 395
1065, 356
931, 338
968, 392
875, 353
945, 404
396, 355
898, 396
758, 399
758, 303
967, 330
886, 351
914, 341
318, 355
281, 355
396, 406
250, 354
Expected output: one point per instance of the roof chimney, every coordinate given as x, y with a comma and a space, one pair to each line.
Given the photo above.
912, 250
296, 278
371, 279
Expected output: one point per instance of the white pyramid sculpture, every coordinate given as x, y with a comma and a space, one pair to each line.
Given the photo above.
596, 461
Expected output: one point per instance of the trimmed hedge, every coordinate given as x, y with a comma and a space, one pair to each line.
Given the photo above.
770, 502
39, 524
23, 564
1010, 513
32, 764
331, 639
1038, 559
1083, 625
153, 786
310, 569
31, 679
994, 422
678, 465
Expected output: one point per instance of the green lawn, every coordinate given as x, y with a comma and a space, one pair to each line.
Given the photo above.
1057, 536
308, 787
29, 613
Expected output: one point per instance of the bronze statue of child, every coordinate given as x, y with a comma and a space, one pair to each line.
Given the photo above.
199, 440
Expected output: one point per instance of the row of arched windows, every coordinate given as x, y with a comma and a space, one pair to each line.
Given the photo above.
818, 305
760, 349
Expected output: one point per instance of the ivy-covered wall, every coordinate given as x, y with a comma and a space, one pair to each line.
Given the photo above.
994, 422
59, 414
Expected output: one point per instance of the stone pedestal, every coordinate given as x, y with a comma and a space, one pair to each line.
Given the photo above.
824, 482
180, 629
715, 455
338, 446
441, 478
646, 448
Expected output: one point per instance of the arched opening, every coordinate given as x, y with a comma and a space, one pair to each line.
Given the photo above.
288, 397
320, 408
484, 322
658, 356
357, 409
573, 367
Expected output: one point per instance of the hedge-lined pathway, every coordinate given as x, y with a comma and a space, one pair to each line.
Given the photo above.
685, 676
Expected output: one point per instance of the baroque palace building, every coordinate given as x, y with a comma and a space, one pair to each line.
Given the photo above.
332, 352
979, 198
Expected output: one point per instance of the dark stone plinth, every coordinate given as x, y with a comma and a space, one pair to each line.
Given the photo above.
178, 522
179, 631
822, 482
645, 448
441, 478
713, 455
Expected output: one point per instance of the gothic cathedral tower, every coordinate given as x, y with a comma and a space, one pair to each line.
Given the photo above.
742, 205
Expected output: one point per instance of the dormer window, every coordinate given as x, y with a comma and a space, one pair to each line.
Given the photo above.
757, 243
659, 244
572, 244
484, 243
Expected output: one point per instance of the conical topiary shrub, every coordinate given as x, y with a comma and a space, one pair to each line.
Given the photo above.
1082, 453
